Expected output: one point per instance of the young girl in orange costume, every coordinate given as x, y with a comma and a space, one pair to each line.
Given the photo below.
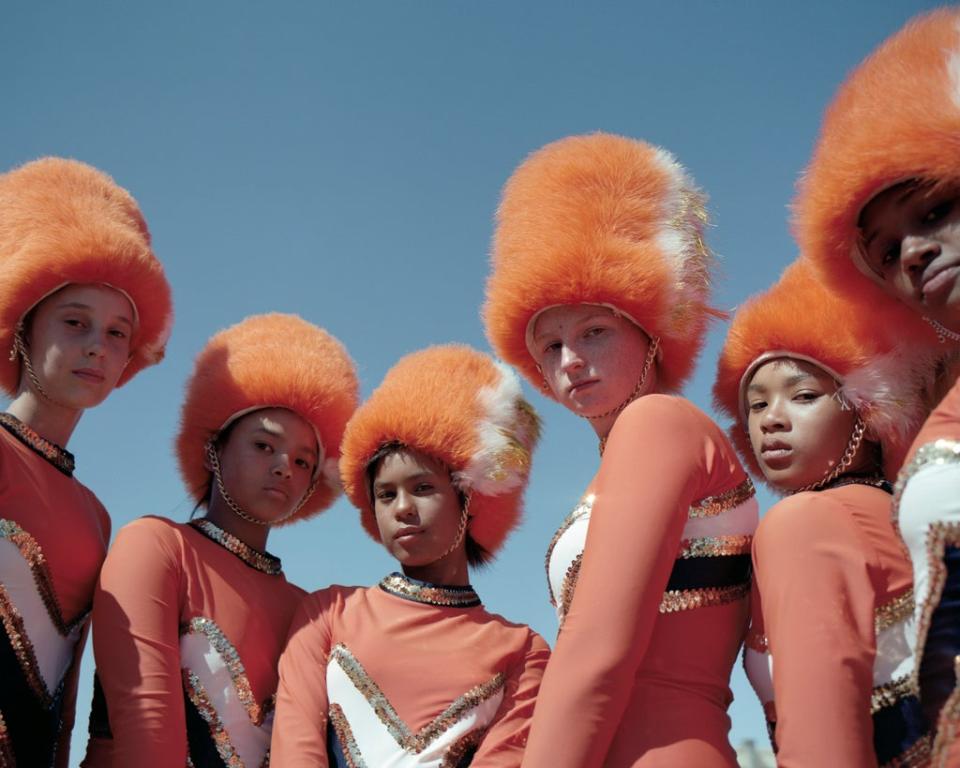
819, 396
84, 306
879, 215
414, 671
190, 619
599, 295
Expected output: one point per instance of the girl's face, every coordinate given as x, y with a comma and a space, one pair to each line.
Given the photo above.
591, 359
418, 514
79, 343
798, 428
911, 241
268, 462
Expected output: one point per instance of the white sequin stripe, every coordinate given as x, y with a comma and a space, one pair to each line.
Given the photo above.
377, 746
53, 651
740, 520
249, 741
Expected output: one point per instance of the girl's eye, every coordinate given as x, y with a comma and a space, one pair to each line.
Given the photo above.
73, 322
806, 397
304, 464
264, 446
385, 495
596, 331
553, 346
758, 405
938, 212
890, 255
424, 487
118, 334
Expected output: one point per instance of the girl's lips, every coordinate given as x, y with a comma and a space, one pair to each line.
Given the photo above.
405, 534
581, 385
940, 282
278, 493
89, 374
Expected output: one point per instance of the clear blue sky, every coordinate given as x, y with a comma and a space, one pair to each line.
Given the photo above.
343, 162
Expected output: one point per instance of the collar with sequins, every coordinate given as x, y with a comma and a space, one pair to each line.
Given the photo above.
59, 457
430, 594
873, 480
262, 561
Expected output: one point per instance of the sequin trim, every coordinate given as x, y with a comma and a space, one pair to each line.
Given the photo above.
757, 641
715, 546
583, 508
431, 594
688, 599
213, 633
897, 610
888, 694
23, 648
939, 537
348, 743
711, 506
412, 742
941, 451
6, 750
948, 723
461, 747
569, 585
916, 756
59, 457
262, 561
201, 700
33, 554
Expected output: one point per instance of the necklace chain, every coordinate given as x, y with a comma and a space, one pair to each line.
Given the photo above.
943, 333
61, 458
859, 429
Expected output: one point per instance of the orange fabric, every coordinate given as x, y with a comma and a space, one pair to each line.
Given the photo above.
63, 221
824, 561
158, 576
71, 528
627, 685
422, 657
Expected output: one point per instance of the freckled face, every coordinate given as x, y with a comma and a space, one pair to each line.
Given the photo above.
591, 359
798, 428
911, 242
79, 343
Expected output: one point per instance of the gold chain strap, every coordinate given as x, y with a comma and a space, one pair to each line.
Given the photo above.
859, 429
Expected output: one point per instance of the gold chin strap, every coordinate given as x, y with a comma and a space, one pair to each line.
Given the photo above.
462, 530
943, 333
214, 460
651, 356
19, 349
859, 429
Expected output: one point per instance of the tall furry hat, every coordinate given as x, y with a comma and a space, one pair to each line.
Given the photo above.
601, 219
462, 408
800, 318
896, 118
269, 361
62, 221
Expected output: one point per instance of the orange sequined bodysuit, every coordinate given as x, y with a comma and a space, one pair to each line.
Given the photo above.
834, 609
53, 538
189, 624
650, 575
405, 674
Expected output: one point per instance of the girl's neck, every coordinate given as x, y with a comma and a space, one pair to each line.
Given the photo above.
51, 421
251, 534
449, 571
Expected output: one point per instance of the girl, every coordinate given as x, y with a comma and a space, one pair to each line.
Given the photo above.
414, 671
84, 306
190, 619
818, 396
599, 295
879, 215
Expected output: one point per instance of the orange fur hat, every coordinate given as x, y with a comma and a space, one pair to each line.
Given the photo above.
896, 118
62, 221
460, 407
601, 219
800, 318
269, 361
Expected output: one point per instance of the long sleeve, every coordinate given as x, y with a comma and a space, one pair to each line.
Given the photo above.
647, 481
136, 644
504, 743
818, 610
300, 723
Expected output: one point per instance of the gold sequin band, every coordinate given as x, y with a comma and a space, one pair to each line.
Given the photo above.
262, 561
59, 457
688, 599
897, 610
888, 694
201, 700
453, 757
33, 554
917, 756
431, 594
948, 723
711, 506
6, 749
583, 508
348, 744
757, 641
715, 546
412, 742
939, 536
569, 585
23, 648
209, 629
